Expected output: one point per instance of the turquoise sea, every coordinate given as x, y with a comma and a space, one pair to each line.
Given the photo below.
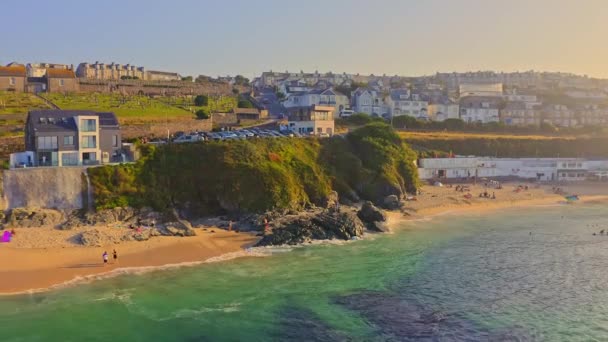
535, 274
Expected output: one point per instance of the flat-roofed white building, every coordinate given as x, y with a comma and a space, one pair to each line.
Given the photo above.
540, 169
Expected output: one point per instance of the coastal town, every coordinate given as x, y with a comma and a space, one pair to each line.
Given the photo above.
304, 171
69, 176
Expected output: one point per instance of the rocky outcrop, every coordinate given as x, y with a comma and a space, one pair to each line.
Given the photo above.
96, 238
178, 228
33, 217
391, 202
370, 213
143, 235
109, 216
308, 226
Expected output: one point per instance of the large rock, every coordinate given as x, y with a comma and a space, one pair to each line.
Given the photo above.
178, 228
34, 217
332, 200
308, 226
109, 216
97, 238
144, 235
370, 214
391, 202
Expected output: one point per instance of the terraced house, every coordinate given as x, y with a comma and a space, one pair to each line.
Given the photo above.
12, 78
70, 138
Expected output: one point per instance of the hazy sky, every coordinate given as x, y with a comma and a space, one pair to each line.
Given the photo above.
365, 36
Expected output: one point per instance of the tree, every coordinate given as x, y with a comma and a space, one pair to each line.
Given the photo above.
235, 91
201, 100
241, 80
202, 114
406, 121
454, 124
244, 103
187, 79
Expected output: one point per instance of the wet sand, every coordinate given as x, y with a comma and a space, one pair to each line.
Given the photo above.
34, 269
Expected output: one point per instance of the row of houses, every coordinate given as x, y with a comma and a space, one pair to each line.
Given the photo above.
537, 169
114, 71
15, 78
52, 77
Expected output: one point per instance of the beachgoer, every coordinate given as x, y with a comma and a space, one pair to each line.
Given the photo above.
153, 222
105, 257
493, 195
115, 255
230, 226
13, 233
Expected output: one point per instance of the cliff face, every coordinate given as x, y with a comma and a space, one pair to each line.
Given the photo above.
56, 187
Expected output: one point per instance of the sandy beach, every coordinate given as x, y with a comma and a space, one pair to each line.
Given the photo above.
30, 269
40, 258
436, 200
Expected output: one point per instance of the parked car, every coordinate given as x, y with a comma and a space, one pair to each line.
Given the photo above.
187, 139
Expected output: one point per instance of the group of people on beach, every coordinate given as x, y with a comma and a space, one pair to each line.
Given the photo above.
486, 194
105, 257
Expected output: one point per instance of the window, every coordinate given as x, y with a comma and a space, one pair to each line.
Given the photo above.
88, 125
12, 81
69, 159
88, 142
115, 140
47, 143
61, 83
68, 140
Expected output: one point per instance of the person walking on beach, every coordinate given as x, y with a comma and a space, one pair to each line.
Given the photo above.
230, 226
105, 257
115, 255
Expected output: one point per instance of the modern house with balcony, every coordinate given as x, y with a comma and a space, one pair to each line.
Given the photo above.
311, 120
69, 138
326, 98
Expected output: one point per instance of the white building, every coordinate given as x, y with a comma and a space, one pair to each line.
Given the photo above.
443, 109
370, 102
328, 97
401, 102
481, 89
475, 109
541, 169
311, 120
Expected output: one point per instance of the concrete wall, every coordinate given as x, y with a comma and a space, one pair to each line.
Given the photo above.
52, 187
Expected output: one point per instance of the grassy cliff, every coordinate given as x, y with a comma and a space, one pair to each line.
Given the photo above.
261, 174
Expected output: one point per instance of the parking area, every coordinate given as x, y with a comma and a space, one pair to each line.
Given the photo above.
250, 133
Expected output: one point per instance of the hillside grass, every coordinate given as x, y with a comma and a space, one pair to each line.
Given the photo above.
216, 104
19, 103
246, 176
440, 135
441, 144
129, 108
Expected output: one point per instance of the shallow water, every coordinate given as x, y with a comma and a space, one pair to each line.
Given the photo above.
454, 278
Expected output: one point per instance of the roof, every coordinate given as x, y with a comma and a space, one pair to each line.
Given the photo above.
246, 111
397, 93
59, 73
63, 120
12, 71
